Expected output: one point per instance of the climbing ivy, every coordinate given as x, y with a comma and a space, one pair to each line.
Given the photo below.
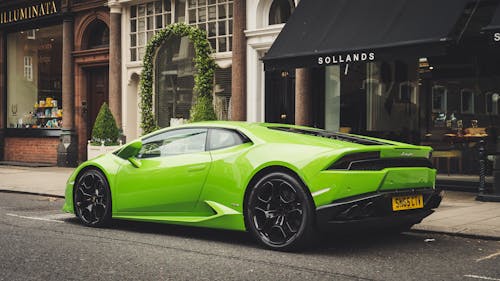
202, 109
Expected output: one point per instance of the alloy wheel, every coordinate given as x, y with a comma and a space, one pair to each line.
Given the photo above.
92, 201
277, 211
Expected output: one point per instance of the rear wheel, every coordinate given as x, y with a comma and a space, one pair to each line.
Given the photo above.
279, 212
92, 198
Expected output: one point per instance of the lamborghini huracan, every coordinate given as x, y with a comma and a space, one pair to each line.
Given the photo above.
281, 183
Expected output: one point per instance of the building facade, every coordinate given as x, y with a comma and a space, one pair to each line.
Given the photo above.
380, 68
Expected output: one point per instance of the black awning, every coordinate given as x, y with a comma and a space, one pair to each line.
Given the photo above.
495, 22
323, 32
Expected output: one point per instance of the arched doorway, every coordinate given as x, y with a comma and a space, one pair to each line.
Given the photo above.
96, 37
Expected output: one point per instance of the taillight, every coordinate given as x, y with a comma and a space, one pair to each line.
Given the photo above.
345, 161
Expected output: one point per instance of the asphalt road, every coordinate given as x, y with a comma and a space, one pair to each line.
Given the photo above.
38, 242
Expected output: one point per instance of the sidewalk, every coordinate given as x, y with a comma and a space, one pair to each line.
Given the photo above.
459, 213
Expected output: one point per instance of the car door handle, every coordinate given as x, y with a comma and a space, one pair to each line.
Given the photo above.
197, 168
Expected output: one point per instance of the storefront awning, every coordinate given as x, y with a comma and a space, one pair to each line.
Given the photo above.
495, 22
326, 32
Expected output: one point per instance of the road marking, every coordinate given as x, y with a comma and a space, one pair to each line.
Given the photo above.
34, 218
481, 277
488, 257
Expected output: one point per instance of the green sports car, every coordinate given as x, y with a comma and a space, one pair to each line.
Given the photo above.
279, 182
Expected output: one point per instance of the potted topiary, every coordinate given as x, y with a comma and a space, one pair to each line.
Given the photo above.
105, 134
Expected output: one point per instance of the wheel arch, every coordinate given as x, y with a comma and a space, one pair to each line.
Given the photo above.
270, 169
99, 169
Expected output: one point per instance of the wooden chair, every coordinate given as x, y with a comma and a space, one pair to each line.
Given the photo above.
448, 155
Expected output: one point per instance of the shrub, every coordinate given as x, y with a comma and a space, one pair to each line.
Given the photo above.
105, 128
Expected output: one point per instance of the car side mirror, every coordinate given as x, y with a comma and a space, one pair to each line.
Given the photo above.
130, 150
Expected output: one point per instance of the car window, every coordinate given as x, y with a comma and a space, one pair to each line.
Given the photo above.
222, 138
174, 142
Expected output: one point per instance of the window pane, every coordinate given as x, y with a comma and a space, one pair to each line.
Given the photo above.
141, 24
133, 11
133, 25
202, 14
142, 38
133, 54
192, 16
212, 10
166, 5
220, 138
174, 143
222, 11
222, 28
159, 22
150, 10
133, 40
158, 7
211, 29
222, 45
150, 23
142, 10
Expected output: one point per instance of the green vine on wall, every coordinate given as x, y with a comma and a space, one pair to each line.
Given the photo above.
202, 109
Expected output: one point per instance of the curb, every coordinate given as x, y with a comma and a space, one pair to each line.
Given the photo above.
31, 193
457, 234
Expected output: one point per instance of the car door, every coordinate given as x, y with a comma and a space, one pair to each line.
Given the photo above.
172, 171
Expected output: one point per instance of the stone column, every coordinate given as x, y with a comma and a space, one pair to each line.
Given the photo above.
303, 97
115, 61
2, 92
239, 63
68, 147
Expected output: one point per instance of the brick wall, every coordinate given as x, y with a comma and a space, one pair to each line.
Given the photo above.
39, 150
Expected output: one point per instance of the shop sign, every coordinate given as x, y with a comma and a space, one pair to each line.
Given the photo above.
14, 15
346, 58
496, 36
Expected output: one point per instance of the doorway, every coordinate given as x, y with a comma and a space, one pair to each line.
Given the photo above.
280, 96
97, 94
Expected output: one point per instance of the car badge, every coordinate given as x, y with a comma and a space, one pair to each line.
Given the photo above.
406, 154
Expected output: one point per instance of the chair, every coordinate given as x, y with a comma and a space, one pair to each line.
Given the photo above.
448, 155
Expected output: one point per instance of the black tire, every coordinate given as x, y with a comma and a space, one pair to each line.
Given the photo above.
92, 198
279, 212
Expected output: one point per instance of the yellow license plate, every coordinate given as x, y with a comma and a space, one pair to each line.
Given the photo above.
407, 202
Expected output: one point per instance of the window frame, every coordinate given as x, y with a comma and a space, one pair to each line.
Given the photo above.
471, 109
444, 98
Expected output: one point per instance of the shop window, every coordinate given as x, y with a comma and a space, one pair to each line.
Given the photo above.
407, 92
280, 11
34, 73
467, 101
439, 99
174, 80
491, 103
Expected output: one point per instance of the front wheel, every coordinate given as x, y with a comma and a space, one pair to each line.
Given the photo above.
279, 212
92, 198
